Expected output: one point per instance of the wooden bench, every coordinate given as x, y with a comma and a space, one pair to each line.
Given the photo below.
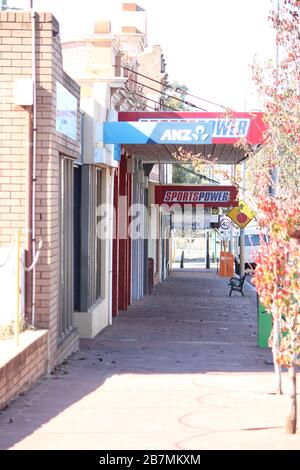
237, 284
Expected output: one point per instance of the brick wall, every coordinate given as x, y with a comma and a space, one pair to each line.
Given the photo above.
89, 59
15, 61
15, 37
129, 6
20, 370
150, 64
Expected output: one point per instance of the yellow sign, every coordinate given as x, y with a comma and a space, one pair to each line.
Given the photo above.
242, 214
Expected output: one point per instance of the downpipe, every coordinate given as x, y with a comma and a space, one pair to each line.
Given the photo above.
34, 131
111, 236
28, 295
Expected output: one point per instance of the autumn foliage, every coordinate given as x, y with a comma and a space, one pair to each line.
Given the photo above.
277, 276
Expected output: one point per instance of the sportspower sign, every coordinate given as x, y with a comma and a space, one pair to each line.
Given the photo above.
209, 196
197, 196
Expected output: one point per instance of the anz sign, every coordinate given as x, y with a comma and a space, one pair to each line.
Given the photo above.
185, 133
157, 132
220, 127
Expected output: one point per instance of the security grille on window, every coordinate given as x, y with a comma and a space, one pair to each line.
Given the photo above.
66, 245
91, 244
98, 240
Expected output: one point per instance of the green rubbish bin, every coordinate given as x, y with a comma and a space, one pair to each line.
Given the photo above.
264, 325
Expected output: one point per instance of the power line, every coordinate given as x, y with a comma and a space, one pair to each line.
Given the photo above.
143, 104
177, 88
198, 98
147, 106
166, 94
159, 91
150, 99
196, 173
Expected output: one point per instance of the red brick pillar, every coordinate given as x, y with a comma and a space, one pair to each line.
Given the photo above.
115, 261
129, 192
123, 242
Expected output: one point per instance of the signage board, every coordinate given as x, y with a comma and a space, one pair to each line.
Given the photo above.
225, 223
157, 132
224, 234
226, 264
203, 223
223, 130
66, 112
242, 214
209, 195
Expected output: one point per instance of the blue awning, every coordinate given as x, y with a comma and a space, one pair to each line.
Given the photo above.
157, 133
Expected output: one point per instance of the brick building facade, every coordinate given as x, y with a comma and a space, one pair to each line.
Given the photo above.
38, 160
55, 173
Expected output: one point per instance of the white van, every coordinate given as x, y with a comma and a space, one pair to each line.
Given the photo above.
252, 243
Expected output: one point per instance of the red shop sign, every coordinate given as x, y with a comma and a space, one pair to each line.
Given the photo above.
209, 195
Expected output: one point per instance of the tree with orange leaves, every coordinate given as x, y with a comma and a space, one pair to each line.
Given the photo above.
277, 194
276, 172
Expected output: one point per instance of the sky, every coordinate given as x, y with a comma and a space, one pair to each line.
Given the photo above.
209, 45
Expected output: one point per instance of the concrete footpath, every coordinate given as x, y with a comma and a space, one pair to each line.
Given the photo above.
179, 370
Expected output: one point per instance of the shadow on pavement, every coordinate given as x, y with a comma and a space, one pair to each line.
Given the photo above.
188, 325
